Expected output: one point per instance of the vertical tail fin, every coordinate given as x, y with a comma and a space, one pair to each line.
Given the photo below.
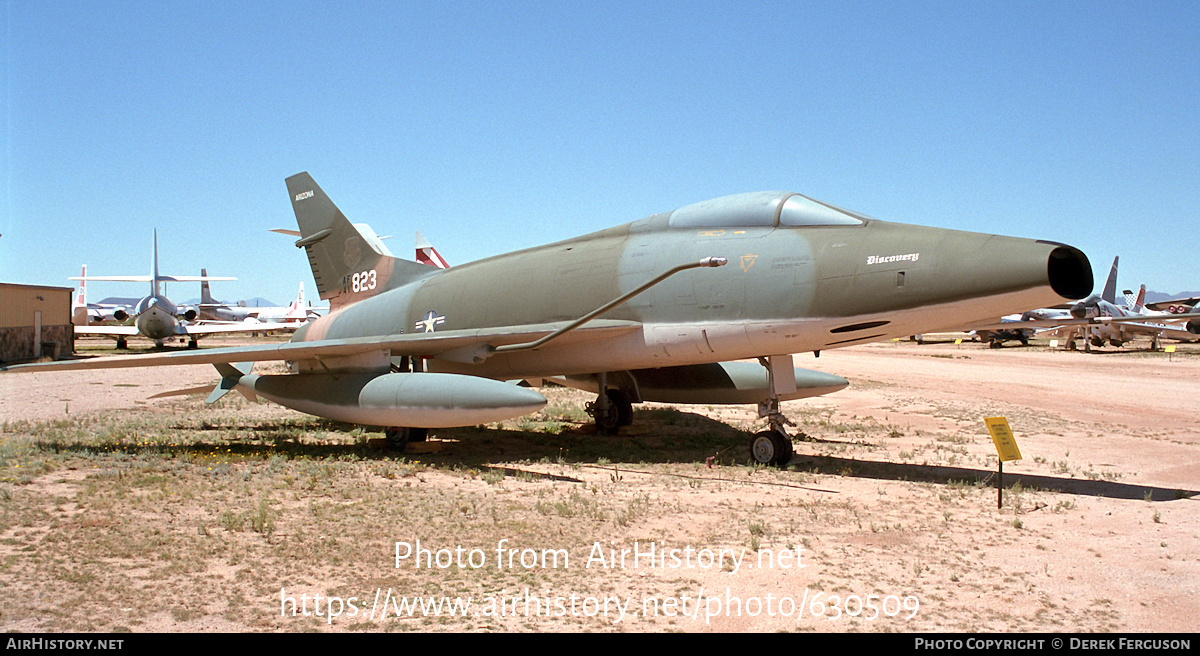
1110, 287
427, 254
79, 307
346, 267
154, 288
205, 295
81, 297
1140, 304
297, 310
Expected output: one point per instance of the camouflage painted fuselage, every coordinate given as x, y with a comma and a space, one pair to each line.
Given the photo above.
801, 277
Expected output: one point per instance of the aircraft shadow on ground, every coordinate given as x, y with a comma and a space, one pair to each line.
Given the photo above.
947, 475
657, 436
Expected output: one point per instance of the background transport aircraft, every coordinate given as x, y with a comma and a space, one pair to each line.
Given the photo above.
85, 314
622, 313
155, 316
295, 313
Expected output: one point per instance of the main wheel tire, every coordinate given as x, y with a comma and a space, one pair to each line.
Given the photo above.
620, 401
619, 412
398, 437
770, 447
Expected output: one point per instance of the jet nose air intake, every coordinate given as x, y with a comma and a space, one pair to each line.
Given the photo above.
1069, 272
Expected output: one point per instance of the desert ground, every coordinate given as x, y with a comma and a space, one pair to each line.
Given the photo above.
123, 513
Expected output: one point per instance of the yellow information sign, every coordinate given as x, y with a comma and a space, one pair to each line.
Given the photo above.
1170, 348
1002, 437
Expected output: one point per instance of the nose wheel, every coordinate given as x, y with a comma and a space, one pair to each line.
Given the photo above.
771, 447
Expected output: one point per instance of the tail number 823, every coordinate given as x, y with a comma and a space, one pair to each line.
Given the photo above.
362, 282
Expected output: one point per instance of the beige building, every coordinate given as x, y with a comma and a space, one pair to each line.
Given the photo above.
35, 321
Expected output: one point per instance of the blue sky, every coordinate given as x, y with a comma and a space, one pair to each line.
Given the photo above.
492, 126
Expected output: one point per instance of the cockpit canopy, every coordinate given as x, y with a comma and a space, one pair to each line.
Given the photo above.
761, 209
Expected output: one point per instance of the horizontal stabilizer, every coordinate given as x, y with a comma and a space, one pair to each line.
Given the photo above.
231, 374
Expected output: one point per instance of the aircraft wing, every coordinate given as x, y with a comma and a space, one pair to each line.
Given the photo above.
108, 331
1170, 332
450, 344
1033, 323
1090, 321
150, 278
1165, 306
235, 327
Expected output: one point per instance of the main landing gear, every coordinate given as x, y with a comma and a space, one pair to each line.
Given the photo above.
612, 409
396, 437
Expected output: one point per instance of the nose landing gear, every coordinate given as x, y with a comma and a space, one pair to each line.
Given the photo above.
773, 446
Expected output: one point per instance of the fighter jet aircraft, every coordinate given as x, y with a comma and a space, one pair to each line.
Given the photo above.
1116, 324
155, 316
1098, 319
675, 307
1176, 305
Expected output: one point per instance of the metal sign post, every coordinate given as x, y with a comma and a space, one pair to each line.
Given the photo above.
1006, 447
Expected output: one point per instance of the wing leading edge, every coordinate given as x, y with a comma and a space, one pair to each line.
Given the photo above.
458, 345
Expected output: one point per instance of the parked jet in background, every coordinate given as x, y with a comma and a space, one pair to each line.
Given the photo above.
621, 313
1099, 319
296, 313
1176, 306
1116, 324
155, 316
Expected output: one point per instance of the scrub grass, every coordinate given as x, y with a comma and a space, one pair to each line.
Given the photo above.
177, 516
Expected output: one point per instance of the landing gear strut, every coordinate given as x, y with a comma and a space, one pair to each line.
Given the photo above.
773, 446
612, 408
